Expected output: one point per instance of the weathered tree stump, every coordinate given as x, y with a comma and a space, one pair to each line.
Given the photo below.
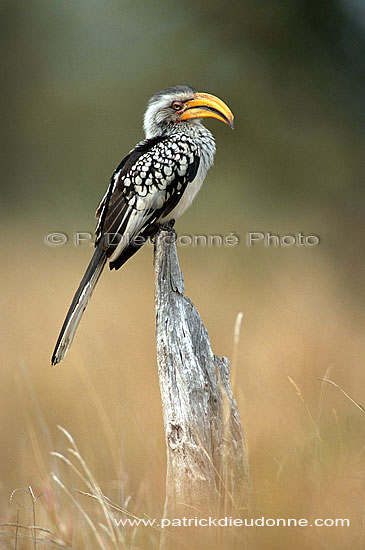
207, 461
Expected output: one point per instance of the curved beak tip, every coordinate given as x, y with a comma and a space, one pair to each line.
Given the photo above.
207, 105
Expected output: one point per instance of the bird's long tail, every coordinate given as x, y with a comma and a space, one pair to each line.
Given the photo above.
78, 305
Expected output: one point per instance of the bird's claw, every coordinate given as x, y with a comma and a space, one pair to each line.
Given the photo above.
167, 226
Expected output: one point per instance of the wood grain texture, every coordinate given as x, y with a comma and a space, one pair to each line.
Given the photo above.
207, 460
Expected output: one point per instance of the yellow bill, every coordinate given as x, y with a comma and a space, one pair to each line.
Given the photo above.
207, 105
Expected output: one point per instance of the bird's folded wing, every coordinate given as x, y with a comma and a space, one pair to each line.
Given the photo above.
148, 185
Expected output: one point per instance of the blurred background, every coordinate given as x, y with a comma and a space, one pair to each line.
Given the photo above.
76, 79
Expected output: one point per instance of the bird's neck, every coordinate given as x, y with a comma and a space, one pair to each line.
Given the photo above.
193, 129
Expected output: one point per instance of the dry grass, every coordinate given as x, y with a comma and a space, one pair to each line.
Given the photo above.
306, 439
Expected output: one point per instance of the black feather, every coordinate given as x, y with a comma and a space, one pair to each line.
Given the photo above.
97, 262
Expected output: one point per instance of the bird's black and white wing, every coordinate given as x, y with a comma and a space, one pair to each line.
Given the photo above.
147, 185
144, 189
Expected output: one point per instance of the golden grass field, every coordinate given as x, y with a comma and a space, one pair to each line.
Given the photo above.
305, 438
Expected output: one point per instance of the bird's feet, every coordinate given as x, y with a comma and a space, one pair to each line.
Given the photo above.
168, 226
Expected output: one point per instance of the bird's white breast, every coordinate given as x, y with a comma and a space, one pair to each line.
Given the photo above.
207, 151
187, 197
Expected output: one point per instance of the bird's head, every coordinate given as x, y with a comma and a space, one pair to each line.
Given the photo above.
182, 104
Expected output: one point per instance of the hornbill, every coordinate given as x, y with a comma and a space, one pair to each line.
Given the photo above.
153, 185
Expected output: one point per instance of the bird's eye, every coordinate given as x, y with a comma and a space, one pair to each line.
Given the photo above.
176, 106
